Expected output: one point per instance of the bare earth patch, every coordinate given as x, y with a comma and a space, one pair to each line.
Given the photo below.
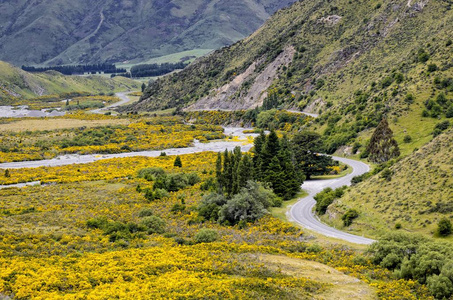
344, 286
54, 124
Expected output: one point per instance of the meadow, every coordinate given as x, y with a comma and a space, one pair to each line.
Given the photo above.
89, 232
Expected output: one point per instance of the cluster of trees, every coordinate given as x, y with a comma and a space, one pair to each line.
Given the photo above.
415, 257
77, 69
152, 70
247, 185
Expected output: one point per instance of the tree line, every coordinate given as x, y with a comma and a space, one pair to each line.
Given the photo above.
152, 70
246, 185
77, 69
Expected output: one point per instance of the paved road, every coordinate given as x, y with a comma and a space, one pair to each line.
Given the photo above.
302, 211
124, 100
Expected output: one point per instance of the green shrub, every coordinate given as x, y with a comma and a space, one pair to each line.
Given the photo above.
326, 197
206, 235
444, 227
145, 212
153, 224
349, 216
150, 174
156, 194
407, 139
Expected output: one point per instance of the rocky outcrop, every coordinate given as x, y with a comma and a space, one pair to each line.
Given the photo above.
246, 90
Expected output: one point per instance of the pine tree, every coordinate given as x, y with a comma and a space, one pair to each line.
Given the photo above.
218, 173
382, 146
291, 180
245, 170
269, 151
275, 176
7, 173
258, 148
178, 162
236, 160
306, 146
227, 173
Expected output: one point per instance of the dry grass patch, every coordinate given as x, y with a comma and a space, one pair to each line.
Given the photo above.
340, 286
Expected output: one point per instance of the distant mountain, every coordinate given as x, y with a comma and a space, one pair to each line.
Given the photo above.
16, 83
83, 31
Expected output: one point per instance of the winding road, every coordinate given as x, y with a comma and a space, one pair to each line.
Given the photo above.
302, 212
124, 100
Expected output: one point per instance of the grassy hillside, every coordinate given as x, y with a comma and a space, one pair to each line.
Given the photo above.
416, 195
15, 83
68, 32
353, 61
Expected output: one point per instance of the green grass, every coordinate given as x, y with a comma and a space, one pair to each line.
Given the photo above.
14, 81
417, 196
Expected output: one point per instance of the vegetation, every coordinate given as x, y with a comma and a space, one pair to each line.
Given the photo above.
326, 198
414, 191
336, 66
77, 69
153, 70
16, 84
136, 135
414, 257
382, 146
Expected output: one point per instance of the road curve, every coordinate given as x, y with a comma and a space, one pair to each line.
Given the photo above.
302, 212
124, 100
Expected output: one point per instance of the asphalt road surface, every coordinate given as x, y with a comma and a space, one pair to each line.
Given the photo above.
302, 212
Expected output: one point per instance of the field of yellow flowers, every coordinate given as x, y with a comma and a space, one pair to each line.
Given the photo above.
49, 251
141, 134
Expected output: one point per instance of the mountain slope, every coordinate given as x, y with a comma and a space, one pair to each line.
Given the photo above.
355, 61
417, 196
16, 83
82, 31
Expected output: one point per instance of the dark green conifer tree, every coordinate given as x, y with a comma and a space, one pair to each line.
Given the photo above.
270, 150
218, 173
258, 148
382, 147
245, 170
178, 162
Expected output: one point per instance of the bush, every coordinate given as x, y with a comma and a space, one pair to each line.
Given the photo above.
150, 174
210, 206
206, 235
156, 194
248, 205
357, 179
349, 216
444, 227
145, 212
407, 139
432, 67
326, 197
440, 286
153, 224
